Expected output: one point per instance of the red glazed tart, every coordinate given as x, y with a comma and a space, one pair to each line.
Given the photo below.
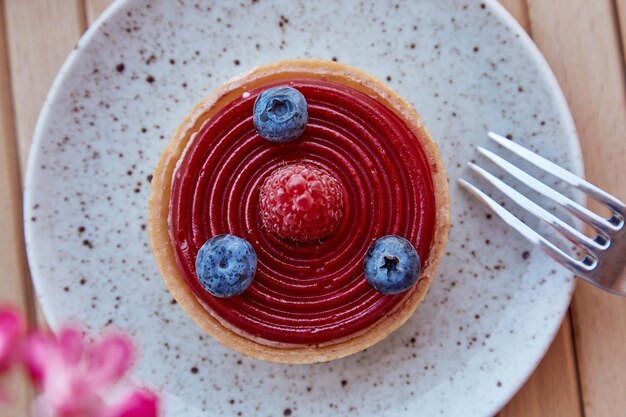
309, 301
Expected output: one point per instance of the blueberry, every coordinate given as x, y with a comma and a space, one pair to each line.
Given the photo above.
280, 114
226, 265
391, 265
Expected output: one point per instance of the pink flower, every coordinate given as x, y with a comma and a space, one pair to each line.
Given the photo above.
73, 376
12, 331
11, 336
138, 404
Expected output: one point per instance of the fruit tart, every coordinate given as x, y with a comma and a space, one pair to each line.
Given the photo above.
299, 212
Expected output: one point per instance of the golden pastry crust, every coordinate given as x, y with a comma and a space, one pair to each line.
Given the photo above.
158, 213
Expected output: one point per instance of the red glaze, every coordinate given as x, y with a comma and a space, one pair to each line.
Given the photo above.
315, 292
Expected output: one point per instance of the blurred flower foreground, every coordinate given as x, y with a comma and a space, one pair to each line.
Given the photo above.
73, 376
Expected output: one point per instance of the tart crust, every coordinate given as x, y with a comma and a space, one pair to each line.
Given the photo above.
158, 213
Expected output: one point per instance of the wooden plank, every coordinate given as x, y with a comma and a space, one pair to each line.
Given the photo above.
589, 64
40, 34
620, 6
94, 8
15, 283
552, 390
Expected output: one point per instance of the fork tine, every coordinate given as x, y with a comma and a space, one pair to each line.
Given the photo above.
561, 173
535, 238
547, 217
576, 209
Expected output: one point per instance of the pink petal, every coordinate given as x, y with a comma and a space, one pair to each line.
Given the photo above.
138, 404
44, 353
109, 360
57, 403
65, 385
73, 376
36, 351
11, 334
77, 403
71, 345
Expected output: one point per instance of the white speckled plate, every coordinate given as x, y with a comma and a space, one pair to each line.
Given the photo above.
465, 65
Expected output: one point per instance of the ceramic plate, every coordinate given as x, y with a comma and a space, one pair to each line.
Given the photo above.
465, 65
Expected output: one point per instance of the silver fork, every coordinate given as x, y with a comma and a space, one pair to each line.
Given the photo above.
603, 262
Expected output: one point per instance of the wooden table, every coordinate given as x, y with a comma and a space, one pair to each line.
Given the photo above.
582, 40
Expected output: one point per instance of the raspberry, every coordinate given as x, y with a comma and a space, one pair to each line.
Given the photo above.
301, 202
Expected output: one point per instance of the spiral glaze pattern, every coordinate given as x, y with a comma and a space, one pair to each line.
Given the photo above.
310, 293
